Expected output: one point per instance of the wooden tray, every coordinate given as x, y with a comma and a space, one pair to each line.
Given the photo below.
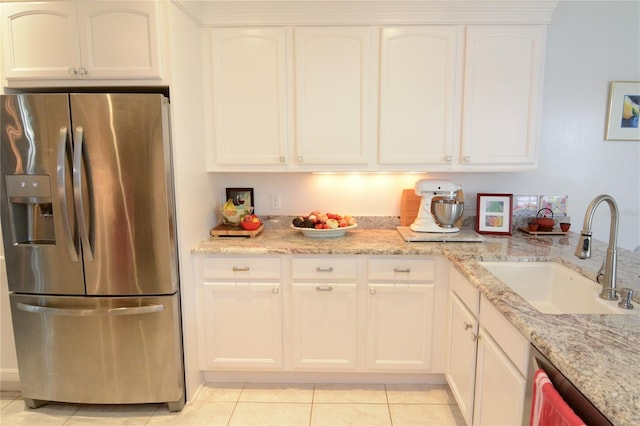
554, 232
230, 231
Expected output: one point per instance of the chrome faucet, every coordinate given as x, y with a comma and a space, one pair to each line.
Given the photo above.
583, 250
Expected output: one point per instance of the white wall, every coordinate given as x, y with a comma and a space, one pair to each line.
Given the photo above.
589, 44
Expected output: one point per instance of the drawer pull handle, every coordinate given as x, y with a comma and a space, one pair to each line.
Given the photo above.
320, 269
467, 325
240, 269
402, 270
324, 288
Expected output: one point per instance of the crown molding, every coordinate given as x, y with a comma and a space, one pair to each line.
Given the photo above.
366, 12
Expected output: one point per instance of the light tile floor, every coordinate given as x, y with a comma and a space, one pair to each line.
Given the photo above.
260, 404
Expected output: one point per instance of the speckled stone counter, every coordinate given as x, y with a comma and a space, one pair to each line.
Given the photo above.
600, 354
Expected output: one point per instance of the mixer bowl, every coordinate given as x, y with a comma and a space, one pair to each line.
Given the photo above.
446, 211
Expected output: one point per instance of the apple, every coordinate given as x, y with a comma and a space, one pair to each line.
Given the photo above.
332, 223
350, 220
342, 223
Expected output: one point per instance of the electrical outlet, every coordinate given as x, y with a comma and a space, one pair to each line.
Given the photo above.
275, 202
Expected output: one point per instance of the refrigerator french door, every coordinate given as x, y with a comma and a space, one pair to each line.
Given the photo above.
87, 213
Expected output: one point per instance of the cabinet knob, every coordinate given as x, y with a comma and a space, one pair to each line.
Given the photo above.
467, 159
300, 159
448, 158
467, 325
372, 291
475, 337
72, 71
275, 290
283, 159
83, 71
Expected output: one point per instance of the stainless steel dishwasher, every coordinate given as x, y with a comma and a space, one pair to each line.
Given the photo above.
572, 395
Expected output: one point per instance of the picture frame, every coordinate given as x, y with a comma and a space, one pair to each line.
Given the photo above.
623, 112
556, 203
494, 213
240, 196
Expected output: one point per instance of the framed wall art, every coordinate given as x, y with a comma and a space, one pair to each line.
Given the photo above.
241, 196
494, 214
624, 109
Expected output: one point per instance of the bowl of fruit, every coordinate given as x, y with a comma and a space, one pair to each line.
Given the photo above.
232, 215
250, 222
324, 225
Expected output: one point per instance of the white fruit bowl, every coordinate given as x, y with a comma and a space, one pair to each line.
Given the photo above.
324, 233
233, 217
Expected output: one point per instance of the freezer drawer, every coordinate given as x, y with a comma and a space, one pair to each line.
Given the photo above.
99, 350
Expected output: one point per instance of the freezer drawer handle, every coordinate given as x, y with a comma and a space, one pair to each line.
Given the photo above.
71, 312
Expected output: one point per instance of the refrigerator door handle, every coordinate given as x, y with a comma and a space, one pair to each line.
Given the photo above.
72, 312
77, 193
61, 168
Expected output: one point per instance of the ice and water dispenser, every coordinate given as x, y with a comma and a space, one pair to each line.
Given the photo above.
30, 209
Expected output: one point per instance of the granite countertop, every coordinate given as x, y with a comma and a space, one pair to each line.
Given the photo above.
599, 353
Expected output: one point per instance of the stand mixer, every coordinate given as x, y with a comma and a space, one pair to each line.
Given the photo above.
442, 195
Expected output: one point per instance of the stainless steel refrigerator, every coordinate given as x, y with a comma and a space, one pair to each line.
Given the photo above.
87, 212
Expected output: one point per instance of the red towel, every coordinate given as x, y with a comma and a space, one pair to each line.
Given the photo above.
548, 408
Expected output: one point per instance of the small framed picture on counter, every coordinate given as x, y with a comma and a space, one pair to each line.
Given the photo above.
240, 196
494, 214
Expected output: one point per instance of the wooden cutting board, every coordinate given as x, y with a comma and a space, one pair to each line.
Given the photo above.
410, 204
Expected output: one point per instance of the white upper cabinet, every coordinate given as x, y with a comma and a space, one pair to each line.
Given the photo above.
248, 73
419, 68
342, 89
40, 40
332, 95
81, 40
502, 90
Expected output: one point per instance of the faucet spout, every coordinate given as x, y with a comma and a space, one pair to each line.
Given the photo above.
583, 250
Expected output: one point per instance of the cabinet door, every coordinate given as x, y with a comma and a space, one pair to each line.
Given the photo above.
242, 325
461, 368
400, 326
248, 72
333, 88
119, 39
40, 40
324, 325
418, 99
502, 87
500, 387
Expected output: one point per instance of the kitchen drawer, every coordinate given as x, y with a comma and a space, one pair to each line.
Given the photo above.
509, 338
324, 268
401, 269
469, 295
241, 267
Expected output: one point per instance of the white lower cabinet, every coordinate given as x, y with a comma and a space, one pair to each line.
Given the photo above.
243, 325
487, 358
310, 313
461, 369
241, 312
324, 323
400, 326
500, 387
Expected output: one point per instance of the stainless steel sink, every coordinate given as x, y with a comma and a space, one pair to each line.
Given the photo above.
552, 288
